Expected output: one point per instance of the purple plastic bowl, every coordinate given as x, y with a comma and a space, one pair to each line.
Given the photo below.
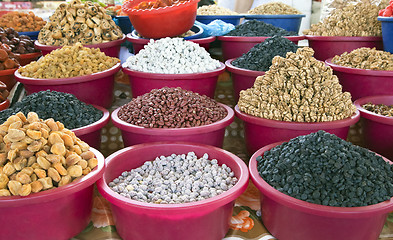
111, 49
327, 47
242, 79
203, 83
202, 220
234, 47
96, 88
211, 134
288, 218
91, 134
363, 82
259, 132
59, 213
377, 129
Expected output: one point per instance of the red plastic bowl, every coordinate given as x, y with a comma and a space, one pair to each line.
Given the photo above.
7, 77
211, 134
111, 49
327, 47
161, 22
27, 58
288, 218
377, 129
4, 105
59, 213
234, 47
259, 132
202, 220
203, 83
363, 82
91, 134
242, 79
96, 88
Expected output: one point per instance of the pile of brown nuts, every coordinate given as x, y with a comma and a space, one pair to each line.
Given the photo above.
75, 21
381, 109
8, 60
366, 58
274, 8
297, 88
171, 108
37, 155
21, 44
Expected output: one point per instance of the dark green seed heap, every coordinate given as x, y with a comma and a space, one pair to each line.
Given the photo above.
62, 107
324, 169
260, 57
255, 28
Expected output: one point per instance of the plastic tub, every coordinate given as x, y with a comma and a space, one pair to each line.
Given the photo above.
4, 105
259, 132
242, 79
288, 218
206, 219
287, 22
327, 47
111, 49
377, 129
234, 47
91, 134
232, 19
211, 134
59, 213
96, 88
202, 83
161, 22
32, 35
198, 30
124, 23
363, 82
387, 33
27, 58
7, 77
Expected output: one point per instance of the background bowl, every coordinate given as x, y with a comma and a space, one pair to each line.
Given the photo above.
259, 132
207, 219
288, 22
327, 47
27, 58
288, 218
96, 88
59, 213
124, 23
387, 33
211, 134
232, 19
377, 129
7, 77
32, 35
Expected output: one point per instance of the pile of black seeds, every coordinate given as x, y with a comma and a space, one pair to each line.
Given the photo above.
171, 108
62, 107
321, 168
259, 58
255, 28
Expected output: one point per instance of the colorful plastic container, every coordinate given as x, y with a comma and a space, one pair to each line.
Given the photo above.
327, 47
32, 35
232, 19
7, 77
27, 58
377, 129
203, 83
4, 104
288, 218
206, 219
96, 88
59, 213
287, 22
259, 132
211, 134
387, 33
363, 82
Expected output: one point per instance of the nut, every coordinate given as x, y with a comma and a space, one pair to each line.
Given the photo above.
25, 190
75, 171
36, 186
14, 187
46, 182
52, 173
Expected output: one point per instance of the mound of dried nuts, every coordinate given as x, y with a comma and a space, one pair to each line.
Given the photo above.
352, 20
214, 10
297, 88
21, 21
74, 22
4, 93
381, 109
274, 8
37, 155
21, 44
69, 61
366, 58
7, 58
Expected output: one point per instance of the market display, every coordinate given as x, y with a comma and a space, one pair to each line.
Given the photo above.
274, 8
21, 21
381, 109
214, 10
255, 28
8, 60
157, 4
20, 44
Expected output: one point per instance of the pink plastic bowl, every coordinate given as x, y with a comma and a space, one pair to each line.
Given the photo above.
288, 218
96, 88
111, 49
363, 82
59, 213
91, 134
203, 83
211, 134
377, 129
242, 79
234, 47
202, 220
259, 132
326, 47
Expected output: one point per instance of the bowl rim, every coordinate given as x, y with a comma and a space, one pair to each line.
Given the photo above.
131, 11
32, 33
8, 71
242, 71
270, 16
133, 39
358, 71
95, 125
376, 99
219, 200
4, 104
122, 125
343, 38
307, 207
297, 125
213, 17
385, 19
30, 55
255, 39
195, 36
59, 192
